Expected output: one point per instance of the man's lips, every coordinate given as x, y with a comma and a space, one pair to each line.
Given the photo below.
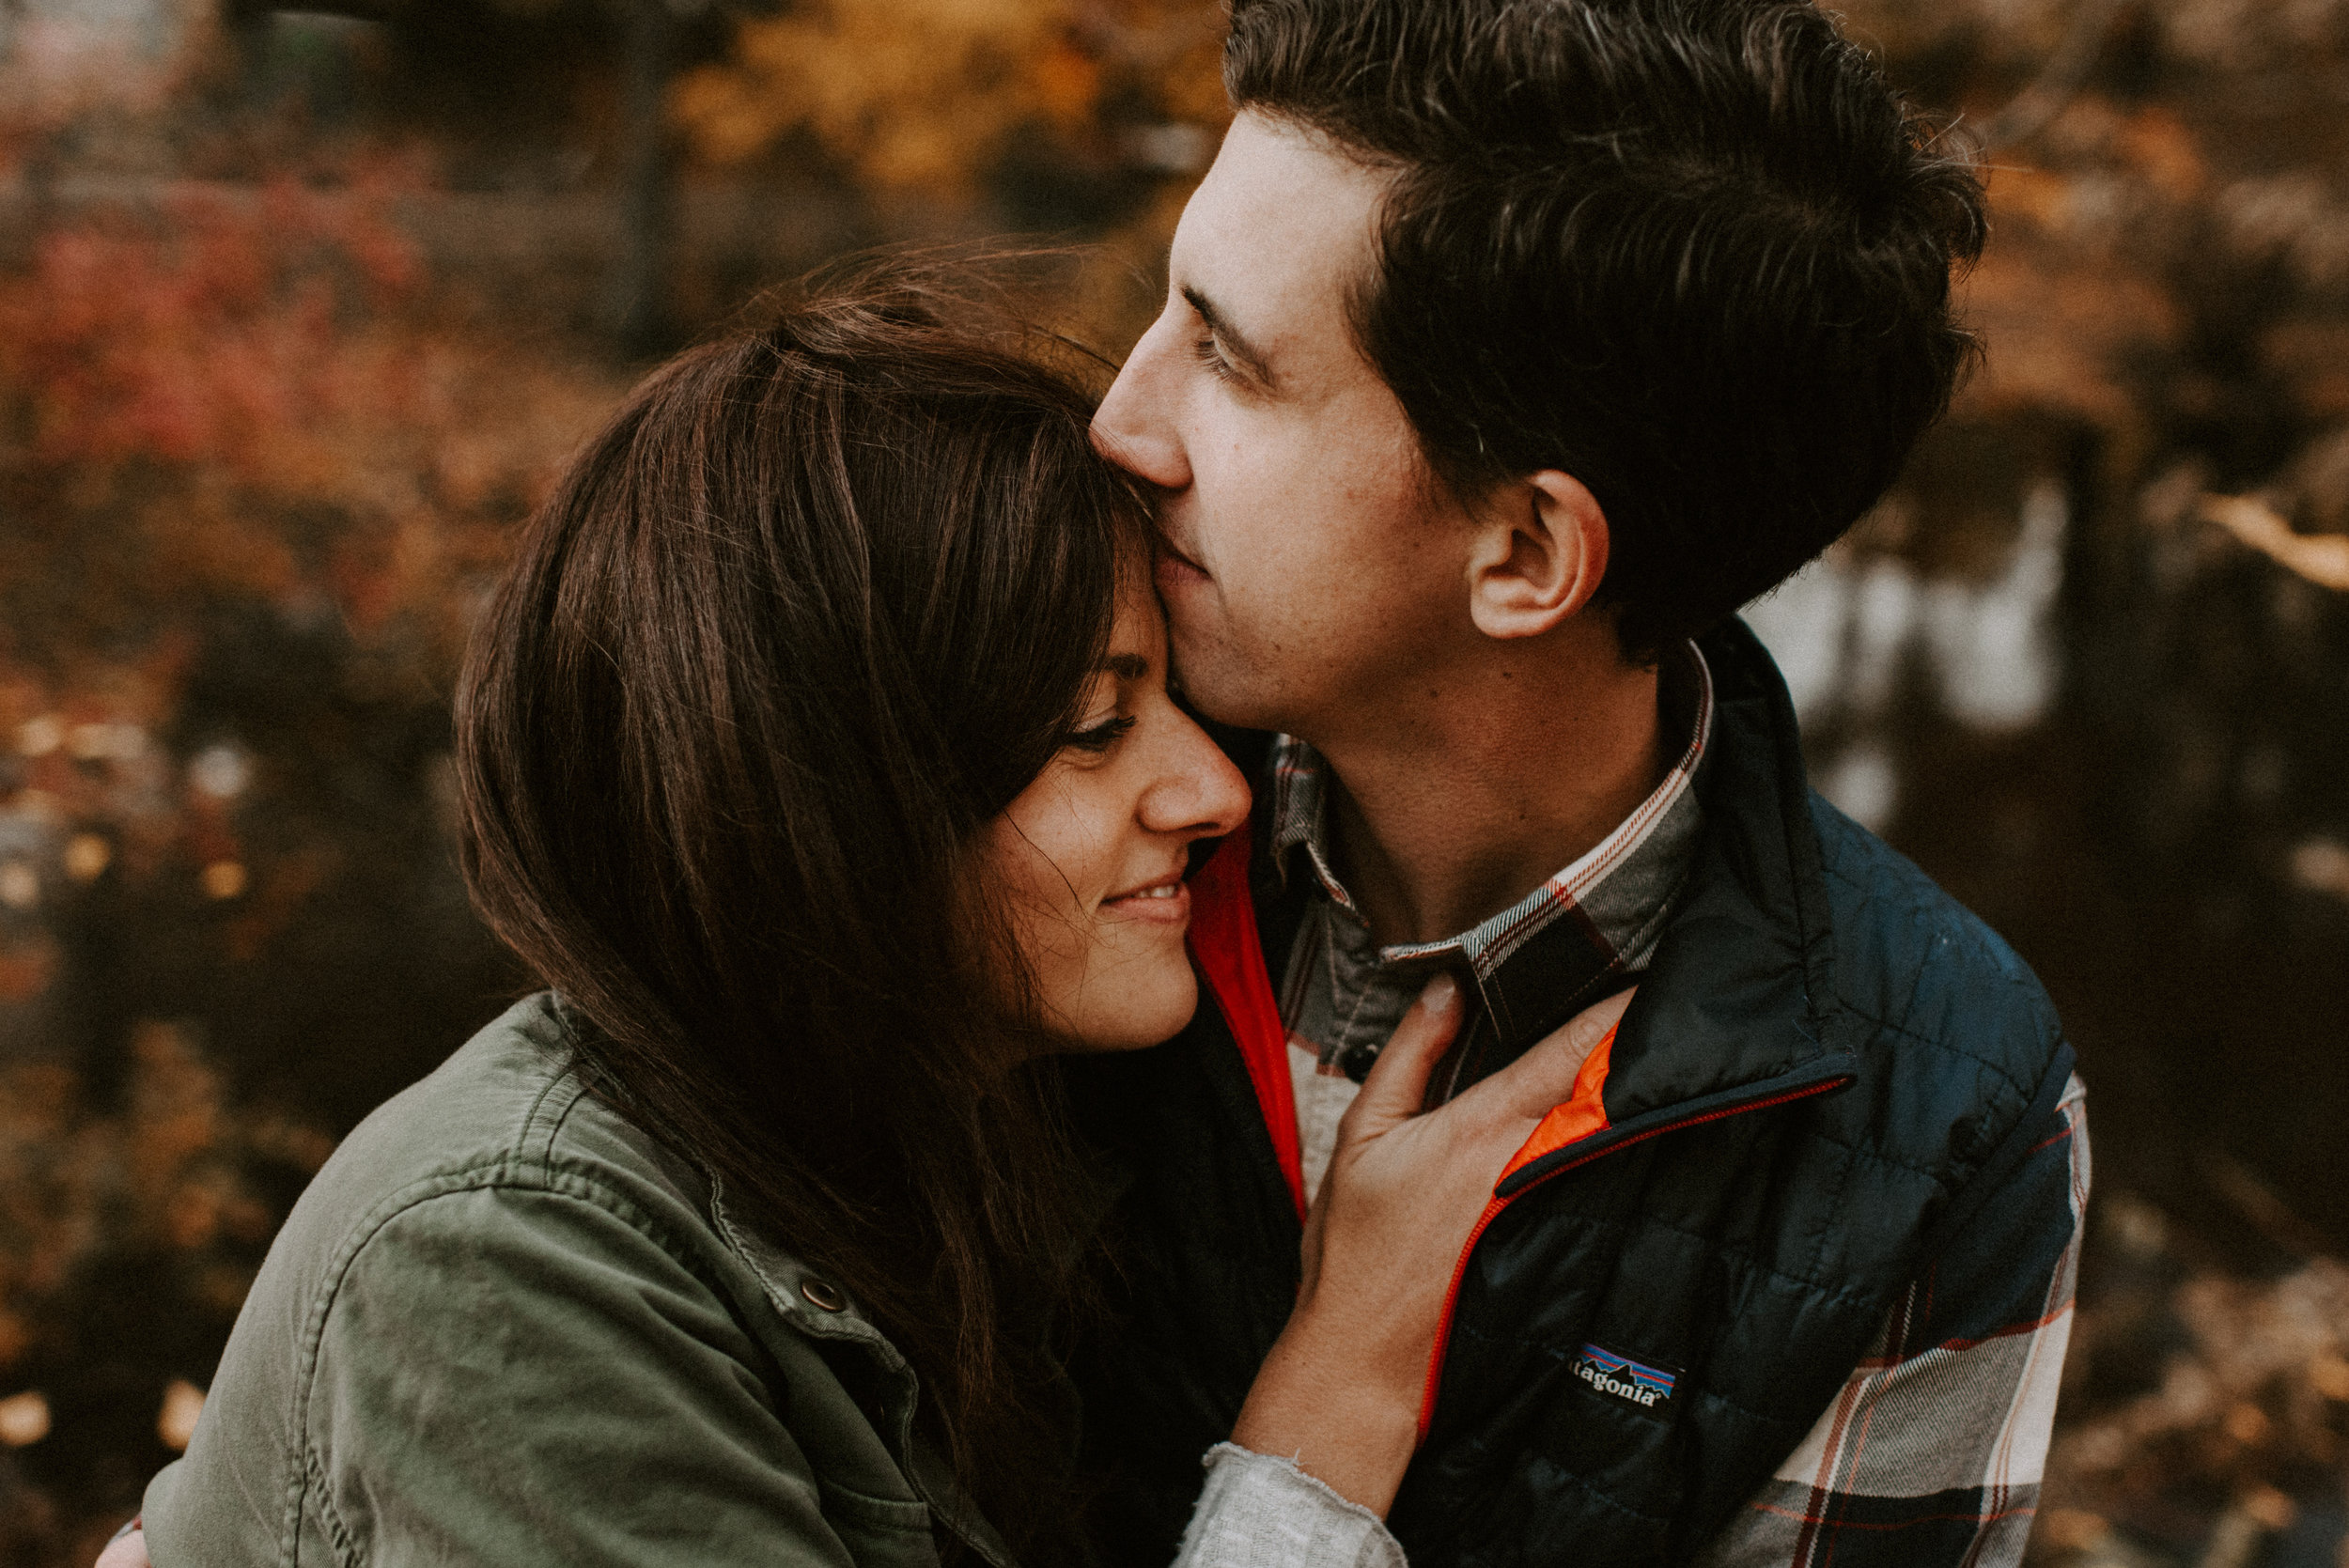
1174, 561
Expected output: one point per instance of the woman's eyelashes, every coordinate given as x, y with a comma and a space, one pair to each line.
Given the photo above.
1101, 736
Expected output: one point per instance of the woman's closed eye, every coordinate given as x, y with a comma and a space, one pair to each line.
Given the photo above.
1101, 736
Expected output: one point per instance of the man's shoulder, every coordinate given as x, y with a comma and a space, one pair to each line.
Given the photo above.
1920, 967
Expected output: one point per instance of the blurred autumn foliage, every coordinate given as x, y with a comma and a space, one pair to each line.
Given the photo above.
252, 475
971, 115
301, 311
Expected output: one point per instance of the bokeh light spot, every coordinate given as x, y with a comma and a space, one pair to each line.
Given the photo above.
23, 1419
183, 1402
86, 856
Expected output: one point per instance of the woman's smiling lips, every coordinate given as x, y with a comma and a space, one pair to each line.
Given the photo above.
1166, 901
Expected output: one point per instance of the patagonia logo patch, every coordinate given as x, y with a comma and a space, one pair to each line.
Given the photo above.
1620, 1377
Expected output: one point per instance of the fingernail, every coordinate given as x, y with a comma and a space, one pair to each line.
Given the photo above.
1442, 995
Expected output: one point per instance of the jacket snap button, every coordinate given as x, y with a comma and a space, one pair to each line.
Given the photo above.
822, 1295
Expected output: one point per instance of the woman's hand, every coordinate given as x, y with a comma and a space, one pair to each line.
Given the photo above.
125, 1551
1340, 1391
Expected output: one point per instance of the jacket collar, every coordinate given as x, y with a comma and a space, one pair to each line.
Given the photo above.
1738, 1008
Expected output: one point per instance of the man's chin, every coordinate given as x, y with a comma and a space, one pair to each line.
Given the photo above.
1219, 686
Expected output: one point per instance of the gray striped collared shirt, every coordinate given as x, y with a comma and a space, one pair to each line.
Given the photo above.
1599, 917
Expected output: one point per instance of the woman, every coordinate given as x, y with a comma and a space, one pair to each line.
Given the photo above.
818, 753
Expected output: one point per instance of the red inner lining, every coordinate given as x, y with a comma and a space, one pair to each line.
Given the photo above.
1223, 944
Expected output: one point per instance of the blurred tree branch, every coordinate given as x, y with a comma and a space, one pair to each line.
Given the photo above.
635, 306
2030, 111
2322, 558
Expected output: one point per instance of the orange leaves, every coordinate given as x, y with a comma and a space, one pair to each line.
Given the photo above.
1067, 84
916, 93
243, 392
926, 96
2163, 149
176, 1170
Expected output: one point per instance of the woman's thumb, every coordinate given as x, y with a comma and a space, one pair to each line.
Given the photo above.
1545, 1075
1397, 1085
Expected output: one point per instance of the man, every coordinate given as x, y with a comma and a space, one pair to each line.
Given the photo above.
1510, 347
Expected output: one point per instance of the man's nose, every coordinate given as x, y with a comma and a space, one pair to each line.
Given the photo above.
1135, 426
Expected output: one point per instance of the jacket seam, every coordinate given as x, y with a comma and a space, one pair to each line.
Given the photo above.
547, 1160
562, 1080
1583, 1483
1939, 1175
339, 1536
1578, 1482
875, 1512
1751, 1257
503, 1172
1748, 1257
2003, 1071
847, 1328
1972, 934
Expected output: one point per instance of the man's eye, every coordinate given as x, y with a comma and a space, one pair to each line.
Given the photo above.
1100, 738
1207, 353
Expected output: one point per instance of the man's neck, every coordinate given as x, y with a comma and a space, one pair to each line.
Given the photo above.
1482, 792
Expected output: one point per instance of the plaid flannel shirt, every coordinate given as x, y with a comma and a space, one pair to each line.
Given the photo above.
1933, 1450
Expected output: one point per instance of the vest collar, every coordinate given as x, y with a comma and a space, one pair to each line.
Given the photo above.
1738, 1008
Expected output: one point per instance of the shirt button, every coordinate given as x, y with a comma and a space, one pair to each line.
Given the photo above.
1357, 1061
821, 1295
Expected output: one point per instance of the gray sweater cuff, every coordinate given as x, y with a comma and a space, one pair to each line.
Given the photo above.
1260, 1512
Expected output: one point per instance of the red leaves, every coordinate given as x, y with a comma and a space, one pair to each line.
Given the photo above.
206, 336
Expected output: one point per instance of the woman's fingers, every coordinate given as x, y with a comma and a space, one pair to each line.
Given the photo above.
1397, 1085
1543, 1078
128, 1551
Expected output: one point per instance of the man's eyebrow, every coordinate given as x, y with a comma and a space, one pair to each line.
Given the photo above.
1234, 342
1127, 666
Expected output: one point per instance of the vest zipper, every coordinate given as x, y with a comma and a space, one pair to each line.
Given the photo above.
1492, 1211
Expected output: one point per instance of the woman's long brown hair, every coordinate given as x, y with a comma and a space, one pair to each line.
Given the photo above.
823, 596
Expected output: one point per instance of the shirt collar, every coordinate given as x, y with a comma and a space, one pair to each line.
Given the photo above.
1616, 894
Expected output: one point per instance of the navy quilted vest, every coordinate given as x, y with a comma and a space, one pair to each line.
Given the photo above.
1828, 1065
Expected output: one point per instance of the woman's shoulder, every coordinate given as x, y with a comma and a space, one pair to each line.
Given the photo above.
509, 1108
504, 1137
489, 1293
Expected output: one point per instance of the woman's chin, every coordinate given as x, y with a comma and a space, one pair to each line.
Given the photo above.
1135, 1017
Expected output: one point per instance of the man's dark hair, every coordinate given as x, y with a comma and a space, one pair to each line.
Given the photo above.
1695, 252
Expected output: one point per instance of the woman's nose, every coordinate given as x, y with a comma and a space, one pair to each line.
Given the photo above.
1200, 792
1133, 427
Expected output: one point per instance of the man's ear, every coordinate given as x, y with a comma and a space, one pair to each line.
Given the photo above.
1540, 552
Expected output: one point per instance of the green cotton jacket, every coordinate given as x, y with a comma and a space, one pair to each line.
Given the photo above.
504, 1327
